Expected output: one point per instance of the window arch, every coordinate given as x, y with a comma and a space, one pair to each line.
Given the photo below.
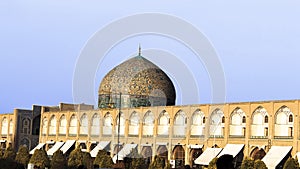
84, 122
134, 124
291, 119
164, 118
11, 127
62, 125
45, 126
197, 118
134, 119
148, 124
73, 126
95, 129
122, 124
266, 119
180, 121
52, 126
107, 124
180, 118
260, 123
217, 121
4, 129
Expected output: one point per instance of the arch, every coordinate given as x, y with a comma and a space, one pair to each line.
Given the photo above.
217, 123
180, 121
52, 125
134, 123
147, 154
194, 154
164, 118
162, 152
197, 118
25, 142
163, 124
11, 127
45, 126
107, 124
179, 156
36, 123
95, 128
84, 123
198, 123
148, 124
257, 153
122, 124
284, 122
73, 125
62, 125
237, 126
260, 123
4, 129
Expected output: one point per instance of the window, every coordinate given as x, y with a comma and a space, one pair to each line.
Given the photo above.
223, 119
266, 119
291, 118
203, 120
244, 119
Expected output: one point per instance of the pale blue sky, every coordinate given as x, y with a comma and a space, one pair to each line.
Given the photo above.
258, 44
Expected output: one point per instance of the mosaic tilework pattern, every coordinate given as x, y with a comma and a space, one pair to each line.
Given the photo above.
138, 78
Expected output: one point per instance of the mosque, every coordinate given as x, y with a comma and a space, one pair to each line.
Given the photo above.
136, 109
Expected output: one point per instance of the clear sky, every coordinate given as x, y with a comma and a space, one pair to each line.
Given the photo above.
40, 41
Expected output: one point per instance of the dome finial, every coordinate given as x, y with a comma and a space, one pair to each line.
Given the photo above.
140, 50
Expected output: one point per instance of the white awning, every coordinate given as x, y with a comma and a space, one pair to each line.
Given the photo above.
161, 143
207, 156
275, 155
55, 147
2, 141
67, 146
232, 149
102, 145
124, 152
195, 146
39, 146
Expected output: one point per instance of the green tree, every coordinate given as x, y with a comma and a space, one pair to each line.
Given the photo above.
168, 165
9, 153
40, 158
247, 163
136, 161
99, 157
212, 163
291, 163
59, 160
87, 160
258, 164
76, 158
106, 162
22, 156
158, 163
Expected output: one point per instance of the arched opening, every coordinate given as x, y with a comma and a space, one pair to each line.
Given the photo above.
147, 154
84, 125
163, 124
62, 125
194, 154
52, 126
179, 156
122, 124
148, 124
180, 121
162, 152
257, 153
73, 126
36, 125
198, 123
95, 128
134, 124
45, 126
107, 124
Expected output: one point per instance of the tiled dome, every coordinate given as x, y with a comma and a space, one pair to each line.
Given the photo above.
140, 82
